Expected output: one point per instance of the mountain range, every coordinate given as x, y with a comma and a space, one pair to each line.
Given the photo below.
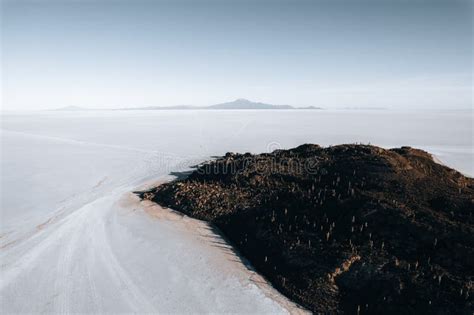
238, 104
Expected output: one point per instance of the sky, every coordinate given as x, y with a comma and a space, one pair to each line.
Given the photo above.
333, 54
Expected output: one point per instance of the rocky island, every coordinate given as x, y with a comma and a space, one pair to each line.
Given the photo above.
351, 229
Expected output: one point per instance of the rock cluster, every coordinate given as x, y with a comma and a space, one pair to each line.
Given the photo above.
344, 229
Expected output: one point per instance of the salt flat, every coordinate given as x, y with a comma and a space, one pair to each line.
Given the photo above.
74, 239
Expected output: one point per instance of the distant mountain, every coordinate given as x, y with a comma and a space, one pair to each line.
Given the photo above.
182, 107
310, 107
364, 108
242, 103
71, 108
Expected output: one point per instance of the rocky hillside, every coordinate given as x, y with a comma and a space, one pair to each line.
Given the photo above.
346, 229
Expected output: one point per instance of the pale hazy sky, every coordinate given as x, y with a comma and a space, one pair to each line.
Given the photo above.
108, 53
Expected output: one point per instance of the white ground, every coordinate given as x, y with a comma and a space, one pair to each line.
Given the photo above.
74, 239
112, 256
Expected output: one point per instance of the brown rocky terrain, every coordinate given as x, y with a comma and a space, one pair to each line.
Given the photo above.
344, 229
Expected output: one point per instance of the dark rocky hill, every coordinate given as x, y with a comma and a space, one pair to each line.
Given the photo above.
344, 229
